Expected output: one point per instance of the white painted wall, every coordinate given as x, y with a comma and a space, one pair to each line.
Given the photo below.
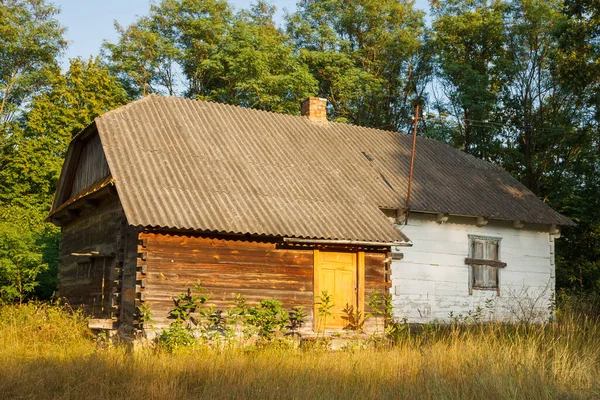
432, 280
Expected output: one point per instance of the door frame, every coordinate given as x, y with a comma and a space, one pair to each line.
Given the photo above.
360, 283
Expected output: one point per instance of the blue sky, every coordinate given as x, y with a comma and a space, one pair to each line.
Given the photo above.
89, 22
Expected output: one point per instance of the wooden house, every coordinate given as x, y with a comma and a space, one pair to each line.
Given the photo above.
164, 192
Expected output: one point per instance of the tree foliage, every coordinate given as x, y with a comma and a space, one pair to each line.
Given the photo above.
203, 50
367, 56
34, 154
31, 161
31, 39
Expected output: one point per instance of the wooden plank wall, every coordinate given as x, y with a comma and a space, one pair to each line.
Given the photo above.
89, 282
168, 264
92, 165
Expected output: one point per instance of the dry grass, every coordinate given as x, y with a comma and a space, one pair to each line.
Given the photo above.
47, 353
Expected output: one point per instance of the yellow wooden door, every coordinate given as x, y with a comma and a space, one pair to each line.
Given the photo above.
338, 274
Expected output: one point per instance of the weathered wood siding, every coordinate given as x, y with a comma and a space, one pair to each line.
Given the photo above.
91, 165
432, 280
127, 292
89, 282
258, 270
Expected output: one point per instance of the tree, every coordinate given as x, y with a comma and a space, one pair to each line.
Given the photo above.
259, 69
143, 59
366, 55
576, 68
469, 39
29, 169
21, 259
240, 59
31, 39
196, 28
33, 158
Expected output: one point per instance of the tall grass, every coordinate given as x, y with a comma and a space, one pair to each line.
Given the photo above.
46, 352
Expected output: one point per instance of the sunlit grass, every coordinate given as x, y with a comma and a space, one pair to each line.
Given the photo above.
49, 353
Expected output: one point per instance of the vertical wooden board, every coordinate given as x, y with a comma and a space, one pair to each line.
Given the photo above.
317, 289
92, 165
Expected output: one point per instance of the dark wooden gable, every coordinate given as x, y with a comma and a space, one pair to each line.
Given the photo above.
85, 166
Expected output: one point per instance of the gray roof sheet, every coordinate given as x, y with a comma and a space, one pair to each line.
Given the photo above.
187, 164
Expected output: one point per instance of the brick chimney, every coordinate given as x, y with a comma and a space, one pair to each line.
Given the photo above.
315, 108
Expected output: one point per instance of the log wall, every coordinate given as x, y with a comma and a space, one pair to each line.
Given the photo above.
168, 264
92, 282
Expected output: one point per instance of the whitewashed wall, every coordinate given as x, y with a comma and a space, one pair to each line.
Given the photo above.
432, 280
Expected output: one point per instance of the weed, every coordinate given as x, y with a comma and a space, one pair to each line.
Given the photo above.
325, 304
267, 318
295, 320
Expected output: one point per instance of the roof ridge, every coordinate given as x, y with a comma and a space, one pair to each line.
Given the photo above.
127, 106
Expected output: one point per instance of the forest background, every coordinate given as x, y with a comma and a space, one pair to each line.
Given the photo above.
513, 82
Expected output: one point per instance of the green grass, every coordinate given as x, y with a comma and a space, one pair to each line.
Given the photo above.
46, 352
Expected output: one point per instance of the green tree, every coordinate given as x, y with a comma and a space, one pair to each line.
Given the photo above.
30, 165
366, 55
21, 259
33, 159
259, 69
472, 60
31, 39
240, 59
143, 59
576, 69
196, 28
532, 102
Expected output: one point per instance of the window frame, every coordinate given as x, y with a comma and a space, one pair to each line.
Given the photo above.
496, 264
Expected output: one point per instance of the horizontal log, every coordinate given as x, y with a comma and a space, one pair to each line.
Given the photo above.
242, 259
186, 240
97, 323
287, 297
208, 269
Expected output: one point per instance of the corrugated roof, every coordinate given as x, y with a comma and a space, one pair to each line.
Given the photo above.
187, 164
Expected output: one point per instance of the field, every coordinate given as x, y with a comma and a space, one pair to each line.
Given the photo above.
46, 352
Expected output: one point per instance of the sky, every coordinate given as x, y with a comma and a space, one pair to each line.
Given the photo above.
90, 22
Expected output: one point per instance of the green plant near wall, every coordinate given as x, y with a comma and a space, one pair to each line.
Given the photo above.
295, 320
217, 323
375, 303
324, 306
144, 315
383, 309
267, 318
181, 331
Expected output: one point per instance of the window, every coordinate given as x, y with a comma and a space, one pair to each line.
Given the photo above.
484, 263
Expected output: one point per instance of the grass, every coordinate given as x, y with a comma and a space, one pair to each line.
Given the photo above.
46, 352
